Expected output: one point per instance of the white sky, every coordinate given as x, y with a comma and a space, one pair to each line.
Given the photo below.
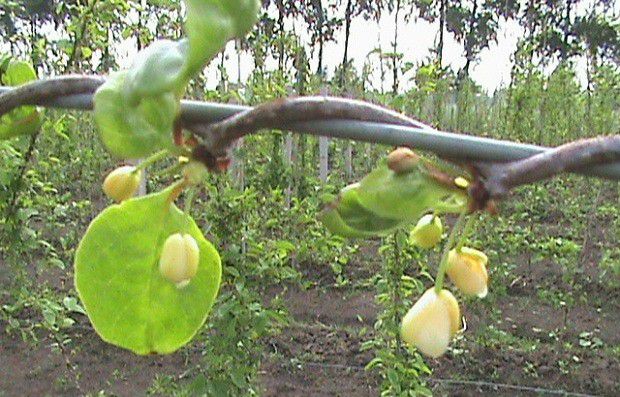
416, 38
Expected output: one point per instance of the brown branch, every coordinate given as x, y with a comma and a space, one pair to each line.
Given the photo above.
284, 113
494, 180
500, 178
42, 91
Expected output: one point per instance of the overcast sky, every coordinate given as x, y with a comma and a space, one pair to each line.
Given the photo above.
416, 37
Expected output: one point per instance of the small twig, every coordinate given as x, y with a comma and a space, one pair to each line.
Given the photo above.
285, 113
500, 178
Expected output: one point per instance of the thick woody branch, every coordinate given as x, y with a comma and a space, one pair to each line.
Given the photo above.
500, 178
499, 165
42, 92
285, 113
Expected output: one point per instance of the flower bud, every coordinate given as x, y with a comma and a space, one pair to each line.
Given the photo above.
461, 182
122, 183
432, 322
427, 232
195, 172
402, 160
467, 270
179, 259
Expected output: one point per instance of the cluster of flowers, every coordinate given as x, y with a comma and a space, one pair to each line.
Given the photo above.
435, 318
429, 325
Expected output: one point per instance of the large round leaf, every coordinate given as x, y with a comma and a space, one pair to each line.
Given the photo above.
117, 277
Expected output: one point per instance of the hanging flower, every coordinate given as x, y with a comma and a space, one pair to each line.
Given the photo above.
467, 270
179, 259
432, 322
427, 232
122, 183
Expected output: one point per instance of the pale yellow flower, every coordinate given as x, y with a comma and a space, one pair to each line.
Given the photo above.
122, 183
427, 232
179, 259
467, 270
432, 322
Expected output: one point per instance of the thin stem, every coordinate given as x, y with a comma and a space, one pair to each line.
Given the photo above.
444, 256
573, 156
152, 159
189, 202
471, 222
42, 92
172, 170
284, 113
176, 189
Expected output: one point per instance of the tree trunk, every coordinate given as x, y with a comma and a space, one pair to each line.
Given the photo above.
469, 51
281, 29
319, 69
394, 49
320, 17
442, 23
347, 33
238, 47
381, 64
348, 154
222, 84
567, 31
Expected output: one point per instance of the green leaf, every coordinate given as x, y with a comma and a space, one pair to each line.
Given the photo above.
117, 277
136, 109
156, 70
25, 120
335, 224
211, 23
358, 217
72, 305
346, 217
406, 196
384, 201
131, 129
